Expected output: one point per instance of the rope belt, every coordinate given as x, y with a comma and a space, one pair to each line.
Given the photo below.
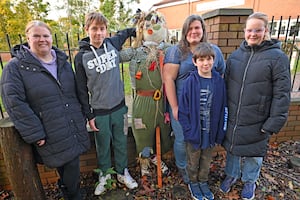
145, 93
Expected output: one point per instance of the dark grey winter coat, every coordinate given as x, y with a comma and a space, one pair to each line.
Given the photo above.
42, 107
258, 90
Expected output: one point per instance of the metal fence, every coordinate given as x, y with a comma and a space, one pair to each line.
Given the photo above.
286, 30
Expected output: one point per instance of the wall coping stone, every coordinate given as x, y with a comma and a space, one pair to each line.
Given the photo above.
228, 12
295, 99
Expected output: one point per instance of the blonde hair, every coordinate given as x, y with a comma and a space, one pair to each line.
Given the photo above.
35, 23
263, 17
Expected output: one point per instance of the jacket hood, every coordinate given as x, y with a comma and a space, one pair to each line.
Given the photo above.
22, 53
84, 44
266, 44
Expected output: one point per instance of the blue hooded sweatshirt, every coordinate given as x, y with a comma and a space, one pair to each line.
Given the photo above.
189, 110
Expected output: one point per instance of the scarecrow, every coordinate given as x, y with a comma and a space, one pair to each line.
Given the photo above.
149, 103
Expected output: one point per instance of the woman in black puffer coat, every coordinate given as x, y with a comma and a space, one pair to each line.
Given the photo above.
258, 85
39, 93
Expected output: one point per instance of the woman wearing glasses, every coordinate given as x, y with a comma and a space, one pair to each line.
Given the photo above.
258, 85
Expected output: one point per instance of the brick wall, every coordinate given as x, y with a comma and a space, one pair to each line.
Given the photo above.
291, 129
225, 28
88, 161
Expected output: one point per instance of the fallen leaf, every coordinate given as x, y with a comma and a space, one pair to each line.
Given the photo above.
291, 186
233, 195
269, 197
270, 178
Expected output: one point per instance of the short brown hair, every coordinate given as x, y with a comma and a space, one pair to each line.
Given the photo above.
204, 49
95, 16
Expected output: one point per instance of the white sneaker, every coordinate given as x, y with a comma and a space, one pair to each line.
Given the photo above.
101, 185
164, 167
127, 180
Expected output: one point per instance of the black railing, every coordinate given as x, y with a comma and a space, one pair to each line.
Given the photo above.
288, 31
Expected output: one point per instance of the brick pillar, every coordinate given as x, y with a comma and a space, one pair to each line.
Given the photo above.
225, 28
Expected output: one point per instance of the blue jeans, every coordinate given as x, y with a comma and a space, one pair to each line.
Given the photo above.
179, 143
246, 168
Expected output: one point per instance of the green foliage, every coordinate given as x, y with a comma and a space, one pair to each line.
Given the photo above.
109, 182
118, 13
296, 67
38, 9
108, 171
5, 14
14, 16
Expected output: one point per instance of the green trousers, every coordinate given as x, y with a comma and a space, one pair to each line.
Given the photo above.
113, 130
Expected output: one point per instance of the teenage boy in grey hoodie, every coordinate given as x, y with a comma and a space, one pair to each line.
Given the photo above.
101, 92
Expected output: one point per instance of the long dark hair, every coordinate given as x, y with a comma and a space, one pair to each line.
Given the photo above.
183, 43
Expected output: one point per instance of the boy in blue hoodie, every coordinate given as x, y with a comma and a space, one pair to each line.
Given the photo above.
202, 114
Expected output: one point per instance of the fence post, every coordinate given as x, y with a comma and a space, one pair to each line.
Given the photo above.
21, 169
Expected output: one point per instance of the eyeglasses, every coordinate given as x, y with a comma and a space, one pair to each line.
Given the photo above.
257, 31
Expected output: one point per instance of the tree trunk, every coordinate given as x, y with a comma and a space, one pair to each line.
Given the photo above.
20, 165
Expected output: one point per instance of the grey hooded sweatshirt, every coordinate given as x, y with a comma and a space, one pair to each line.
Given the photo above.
99, 85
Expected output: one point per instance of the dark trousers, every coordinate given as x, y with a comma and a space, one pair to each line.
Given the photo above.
70, 179
198, 163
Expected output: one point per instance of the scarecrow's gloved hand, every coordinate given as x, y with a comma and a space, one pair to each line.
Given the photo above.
146, 152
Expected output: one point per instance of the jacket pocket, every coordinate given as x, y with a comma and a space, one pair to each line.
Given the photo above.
262, 104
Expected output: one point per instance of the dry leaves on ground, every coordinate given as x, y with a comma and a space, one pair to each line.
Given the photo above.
278, 180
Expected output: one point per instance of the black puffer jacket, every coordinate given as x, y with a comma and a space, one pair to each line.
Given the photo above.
258, 86
42, 107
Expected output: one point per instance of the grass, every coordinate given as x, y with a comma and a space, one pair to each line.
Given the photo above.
126, 75
294, 68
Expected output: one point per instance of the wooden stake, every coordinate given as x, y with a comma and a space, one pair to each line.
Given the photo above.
158, 157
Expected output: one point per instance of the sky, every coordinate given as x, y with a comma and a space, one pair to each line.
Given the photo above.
144, 5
